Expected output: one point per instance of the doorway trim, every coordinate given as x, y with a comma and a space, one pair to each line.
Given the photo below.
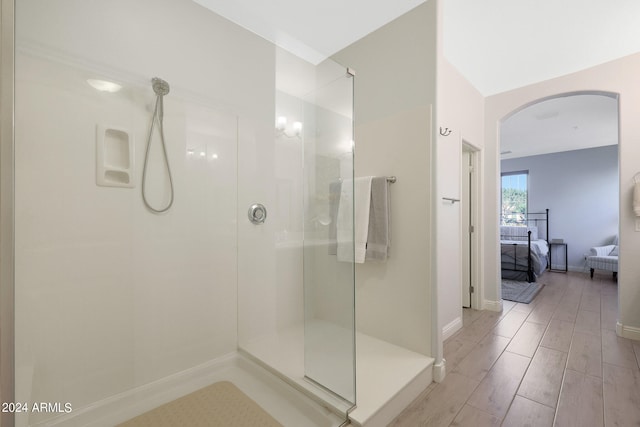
476, 258
498, 137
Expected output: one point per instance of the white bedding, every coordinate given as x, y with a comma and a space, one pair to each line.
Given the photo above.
540, 246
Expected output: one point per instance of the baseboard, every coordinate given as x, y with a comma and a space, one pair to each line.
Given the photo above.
451, 328
116, 409
439, 371
492, 305
578, 269
630, 332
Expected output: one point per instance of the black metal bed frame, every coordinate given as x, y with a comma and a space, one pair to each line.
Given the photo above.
535, 219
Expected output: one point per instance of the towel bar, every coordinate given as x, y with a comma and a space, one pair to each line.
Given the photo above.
451, 200
390, 179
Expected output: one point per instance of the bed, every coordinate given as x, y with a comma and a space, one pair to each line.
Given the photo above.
524, 247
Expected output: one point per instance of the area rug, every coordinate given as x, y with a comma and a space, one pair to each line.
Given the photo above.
220, 404
523, 292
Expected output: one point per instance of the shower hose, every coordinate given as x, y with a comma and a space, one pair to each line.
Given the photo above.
161, 88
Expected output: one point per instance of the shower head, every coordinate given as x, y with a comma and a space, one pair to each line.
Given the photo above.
160, 87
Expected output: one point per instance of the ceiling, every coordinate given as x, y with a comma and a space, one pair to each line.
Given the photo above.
560, 124
311, 29
498, 45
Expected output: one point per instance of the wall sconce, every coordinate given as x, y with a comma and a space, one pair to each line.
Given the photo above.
281, 128
346, 147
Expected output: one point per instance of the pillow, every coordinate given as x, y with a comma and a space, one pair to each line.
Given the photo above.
614, 251
517, 232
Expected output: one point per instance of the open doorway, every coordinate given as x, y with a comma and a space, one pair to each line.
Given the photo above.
568, 144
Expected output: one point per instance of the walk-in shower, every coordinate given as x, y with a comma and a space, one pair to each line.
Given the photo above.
118, 311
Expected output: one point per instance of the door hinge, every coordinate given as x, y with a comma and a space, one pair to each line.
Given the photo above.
472, 289
471, 229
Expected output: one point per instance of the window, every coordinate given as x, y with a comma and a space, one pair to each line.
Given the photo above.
514, 198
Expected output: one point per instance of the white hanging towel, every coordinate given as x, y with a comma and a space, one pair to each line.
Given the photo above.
353, 226
636, 198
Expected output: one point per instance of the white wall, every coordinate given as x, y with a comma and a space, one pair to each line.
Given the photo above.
394, 96
110, 296
460, 108
619, 77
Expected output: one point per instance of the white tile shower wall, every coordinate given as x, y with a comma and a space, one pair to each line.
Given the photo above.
109, 296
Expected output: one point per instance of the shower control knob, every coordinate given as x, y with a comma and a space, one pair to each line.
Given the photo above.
257, 213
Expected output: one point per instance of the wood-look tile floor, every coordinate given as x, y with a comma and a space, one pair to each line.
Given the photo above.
556, 361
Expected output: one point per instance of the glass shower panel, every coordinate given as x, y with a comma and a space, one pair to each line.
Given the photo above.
329, 303
295, 299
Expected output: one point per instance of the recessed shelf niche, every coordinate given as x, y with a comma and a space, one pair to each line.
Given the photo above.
114, 157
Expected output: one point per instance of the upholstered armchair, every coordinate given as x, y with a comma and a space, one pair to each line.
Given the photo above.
604, 258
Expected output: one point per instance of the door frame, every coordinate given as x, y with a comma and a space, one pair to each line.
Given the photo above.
474, 253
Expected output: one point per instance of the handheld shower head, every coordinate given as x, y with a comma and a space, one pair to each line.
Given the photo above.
160, 87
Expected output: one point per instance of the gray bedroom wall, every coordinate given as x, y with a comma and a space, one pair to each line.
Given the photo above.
580, 188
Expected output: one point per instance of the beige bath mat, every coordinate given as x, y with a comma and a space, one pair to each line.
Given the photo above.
220, 404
